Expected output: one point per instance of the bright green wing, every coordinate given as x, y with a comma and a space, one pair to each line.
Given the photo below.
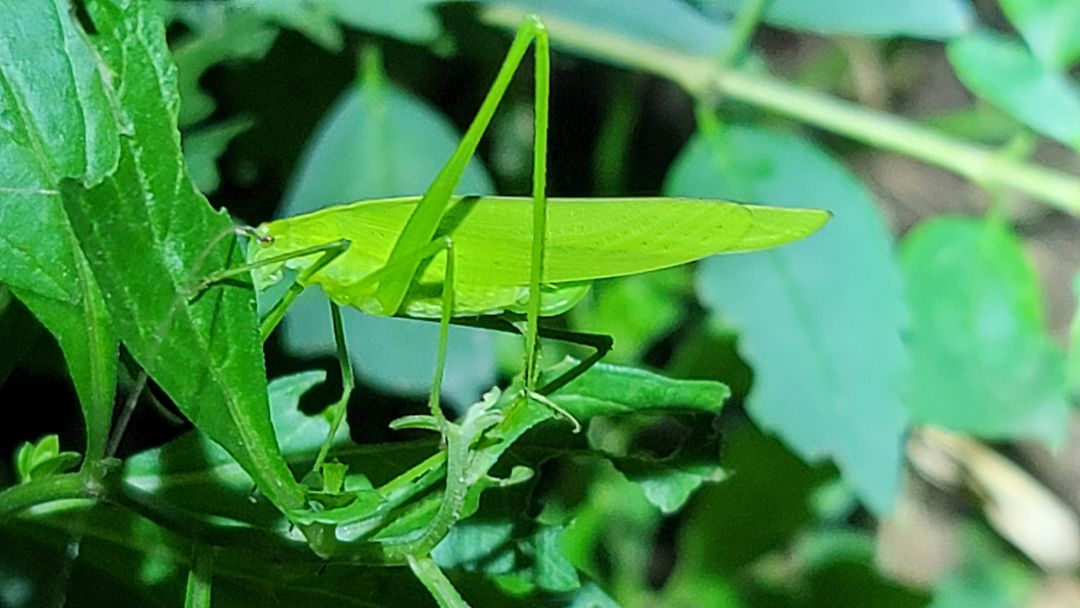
587, 239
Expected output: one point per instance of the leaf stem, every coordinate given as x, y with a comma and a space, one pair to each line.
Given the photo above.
702, 77
35, 492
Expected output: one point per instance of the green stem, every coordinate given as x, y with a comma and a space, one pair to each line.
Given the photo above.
199, 578
742, 30
68, 486
436, 582
701, 77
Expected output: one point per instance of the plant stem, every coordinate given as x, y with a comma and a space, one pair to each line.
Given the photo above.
68, 486
702, 77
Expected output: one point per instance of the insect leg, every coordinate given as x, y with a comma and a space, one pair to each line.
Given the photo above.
348, 382
542, 93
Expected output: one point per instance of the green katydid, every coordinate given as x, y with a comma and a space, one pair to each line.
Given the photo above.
457, 259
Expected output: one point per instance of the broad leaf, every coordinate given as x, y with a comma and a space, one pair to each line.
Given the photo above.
1050, 27
1002, 71
820, 320
379, 141
56, 122
982, 362
667, 24
148, 235
916, 18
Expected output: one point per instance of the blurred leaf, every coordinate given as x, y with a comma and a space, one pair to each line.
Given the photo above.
205, 354
982, 362
57, 122
1050, 27
203, 147
667, 24
378, 141
726, 526
819, 320
409, 20
988, 578
1003, 72
916, 18
636, 311
230, 37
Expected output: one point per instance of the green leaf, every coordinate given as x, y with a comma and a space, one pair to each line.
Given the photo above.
668, 485
230, 37
409, 20
44, 458
915, 18
982, 361
379, 141
610, 390
820, 320
666, 24
1050, 27
148, 235
203, 147
765, 477
1003, 72
56, 122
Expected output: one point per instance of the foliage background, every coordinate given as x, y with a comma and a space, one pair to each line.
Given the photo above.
902, 427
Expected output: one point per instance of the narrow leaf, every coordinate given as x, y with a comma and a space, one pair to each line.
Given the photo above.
819, 320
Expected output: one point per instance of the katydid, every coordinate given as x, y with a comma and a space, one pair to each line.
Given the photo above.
468, 259
458, 259
471, 260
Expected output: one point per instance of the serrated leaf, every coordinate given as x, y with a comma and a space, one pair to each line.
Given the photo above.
982, 362
205, 354
820, 320
1050, 27
56, 122
916, 18
236, 35
379, 141
1002, 71
667, 485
